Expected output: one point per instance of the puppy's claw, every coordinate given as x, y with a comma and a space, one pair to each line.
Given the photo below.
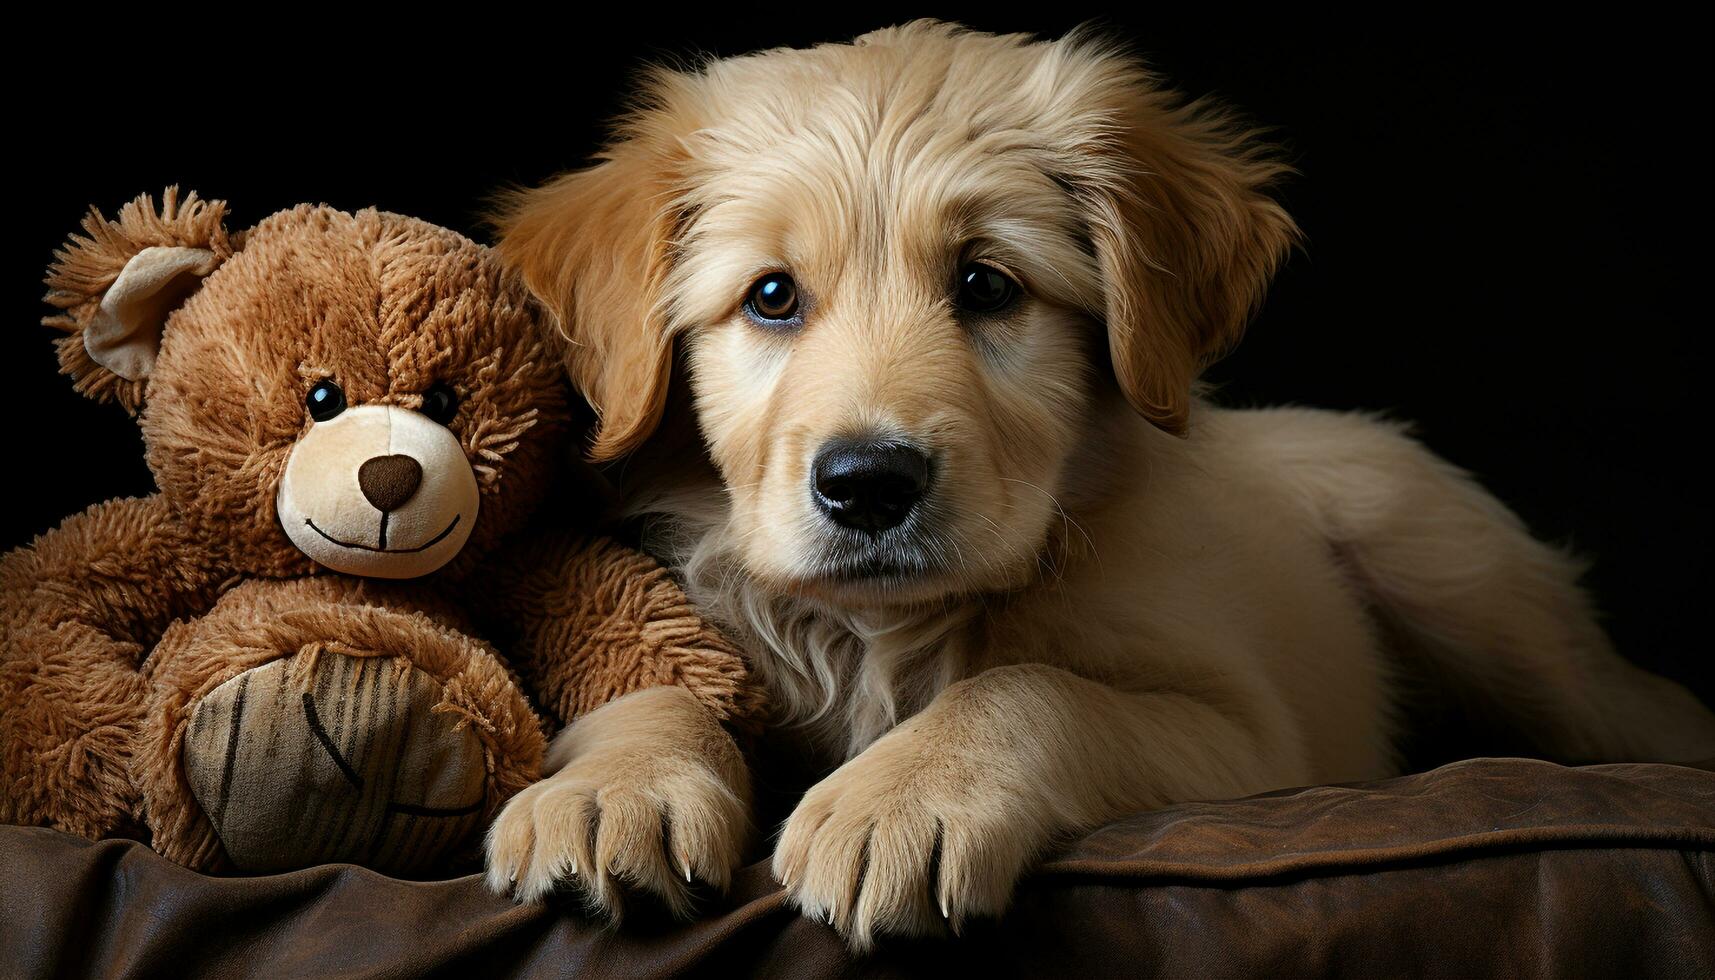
596, 825
497, 882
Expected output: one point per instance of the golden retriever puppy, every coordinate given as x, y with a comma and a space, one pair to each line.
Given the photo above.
937, 302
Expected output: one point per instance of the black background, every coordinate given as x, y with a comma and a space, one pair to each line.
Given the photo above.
1507, 222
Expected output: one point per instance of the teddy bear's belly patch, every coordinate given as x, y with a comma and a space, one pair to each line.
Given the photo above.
345, 761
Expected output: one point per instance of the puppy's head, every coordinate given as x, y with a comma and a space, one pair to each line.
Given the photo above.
898, 270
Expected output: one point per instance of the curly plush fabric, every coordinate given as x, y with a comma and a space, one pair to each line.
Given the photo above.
79, 609
630, 624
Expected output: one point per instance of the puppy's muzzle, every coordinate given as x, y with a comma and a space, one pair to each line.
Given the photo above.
868, 486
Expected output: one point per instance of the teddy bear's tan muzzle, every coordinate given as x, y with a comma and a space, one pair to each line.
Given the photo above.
380, 491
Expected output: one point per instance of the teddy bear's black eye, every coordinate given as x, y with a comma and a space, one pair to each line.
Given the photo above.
325, 400
440, 403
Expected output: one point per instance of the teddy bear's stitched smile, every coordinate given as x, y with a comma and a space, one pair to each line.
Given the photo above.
388, 551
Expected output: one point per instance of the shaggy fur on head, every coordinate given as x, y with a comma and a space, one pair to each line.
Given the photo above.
117, 625
1112, 595
396, 304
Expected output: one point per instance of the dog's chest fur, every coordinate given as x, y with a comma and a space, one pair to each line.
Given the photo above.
845, 676
842, 677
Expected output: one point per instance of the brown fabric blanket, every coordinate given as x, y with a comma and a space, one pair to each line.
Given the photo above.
1491, 867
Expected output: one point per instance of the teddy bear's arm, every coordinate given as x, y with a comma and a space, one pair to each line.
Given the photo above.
80, 608
585, 620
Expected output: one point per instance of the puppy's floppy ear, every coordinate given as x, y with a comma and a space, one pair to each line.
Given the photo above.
1186, 237
593, 246
116, 285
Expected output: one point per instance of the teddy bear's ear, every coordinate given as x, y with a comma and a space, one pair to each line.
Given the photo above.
115, 285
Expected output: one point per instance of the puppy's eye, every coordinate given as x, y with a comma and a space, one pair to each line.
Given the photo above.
984, 289
774, 298
440, 403
325, 400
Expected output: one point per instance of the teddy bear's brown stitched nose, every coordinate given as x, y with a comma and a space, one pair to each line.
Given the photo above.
389, 481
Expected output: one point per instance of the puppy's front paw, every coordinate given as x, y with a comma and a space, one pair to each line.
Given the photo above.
649, 793
904, 839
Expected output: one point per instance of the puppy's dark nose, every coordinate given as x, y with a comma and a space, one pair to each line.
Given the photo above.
389, 481
869, 486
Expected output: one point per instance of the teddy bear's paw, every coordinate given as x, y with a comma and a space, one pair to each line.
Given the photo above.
647, 793
320, 757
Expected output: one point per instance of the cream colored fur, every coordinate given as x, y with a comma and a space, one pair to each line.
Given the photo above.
648, 789
1119, 596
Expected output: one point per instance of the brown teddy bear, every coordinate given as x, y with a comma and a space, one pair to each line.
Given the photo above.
280, 657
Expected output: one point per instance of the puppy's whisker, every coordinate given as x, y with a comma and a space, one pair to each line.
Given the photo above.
1065, 518
1011, 549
